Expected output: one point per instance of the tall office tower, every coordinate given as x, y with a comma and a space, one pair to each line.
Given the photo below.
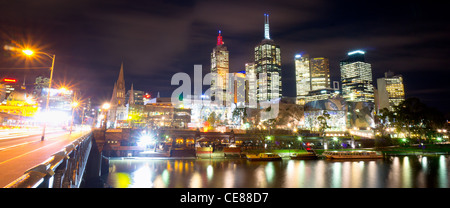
240, 91
391, 91
251, 85
302, 77
220, 65
311, 74
320, 73
268, 66
356, 78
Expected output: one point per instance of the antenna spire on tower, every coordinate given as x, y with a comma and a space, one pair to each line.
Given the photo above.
266, 26
219, 39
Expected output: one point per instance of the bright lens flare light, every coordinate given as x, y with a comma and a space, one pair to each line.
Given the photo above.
106, 106
145, 140
28, 52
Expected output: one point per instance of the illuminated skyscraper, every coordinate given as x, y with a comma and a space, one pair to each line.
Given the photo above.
356, 78
268, 66
251, 85
391, 91
311, 74
302, 77
220, 65
320, 73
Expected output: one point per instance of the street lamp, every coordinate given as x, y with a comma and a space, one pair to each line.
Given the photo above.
29, 52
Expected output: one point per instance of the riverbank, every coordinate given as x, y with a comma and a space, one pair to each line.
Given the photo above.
430, 149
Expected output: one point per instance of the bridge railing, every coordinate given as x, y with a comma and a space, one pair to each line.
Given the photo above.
63, 169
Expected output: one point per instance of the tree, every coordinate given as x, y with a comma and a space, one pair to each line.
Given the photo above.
212, 119
239, 115
415, 118
385, 119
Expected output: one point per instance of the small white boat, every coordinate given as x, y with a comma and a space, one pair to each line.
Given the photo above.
310, 154
352, 155
264, 157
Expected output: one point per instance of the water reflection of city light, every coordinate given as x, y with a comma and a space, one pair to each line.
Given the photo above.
228, 180
406, 177
260, 177
398, 172
302, 174
141, 178
165, 177
196, 181
320, 174
356, 174
209, 172
424, 164
394, 175
270, 172
346, 174
336, 175
291, 179
371, 175
443, 174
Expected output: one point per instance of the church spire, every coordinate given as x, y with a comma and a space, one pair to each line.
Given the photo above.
121, 78
118, 97
266, 27
131, 99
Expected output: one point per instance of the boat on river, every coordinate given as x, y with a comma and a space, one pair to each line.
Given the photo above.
309, 155
264, 157
352, 155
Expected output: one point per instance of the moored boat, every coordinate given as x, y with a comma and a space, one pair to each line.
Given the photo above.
352, 155
264, 157
309, 155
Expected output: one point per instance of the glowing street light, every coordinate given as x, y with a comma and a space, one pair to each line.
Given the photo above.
106, 106
30, 52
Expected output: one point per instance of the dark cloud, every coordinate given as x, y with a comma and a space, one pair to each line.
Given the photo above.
156, 39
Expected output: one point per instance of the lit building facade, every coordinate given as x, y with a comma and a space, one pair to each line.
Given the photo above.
268, 67
320, 73
311, 74
391, 91
240, 91
220, 65
251, 85
137, 97
356, 78
302, 77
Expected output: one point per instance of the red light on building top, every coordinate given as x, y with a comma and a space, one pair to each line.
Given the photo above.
219, 39
147, 96
10, 80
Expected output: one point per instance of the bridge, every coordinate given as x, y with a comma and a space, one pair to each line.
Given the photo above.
65, 158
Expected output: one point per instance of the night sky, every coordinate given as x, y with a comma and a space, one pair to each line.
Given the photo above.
156, 39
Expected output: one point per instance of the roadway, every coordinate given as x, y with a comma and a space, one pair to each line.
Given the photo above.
21, 150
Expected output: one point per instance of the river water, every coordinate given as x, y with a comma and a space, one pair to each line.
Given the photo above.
390, 172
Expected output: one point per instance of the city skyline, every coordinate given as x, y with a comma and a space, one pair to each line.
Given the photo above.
140, 37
